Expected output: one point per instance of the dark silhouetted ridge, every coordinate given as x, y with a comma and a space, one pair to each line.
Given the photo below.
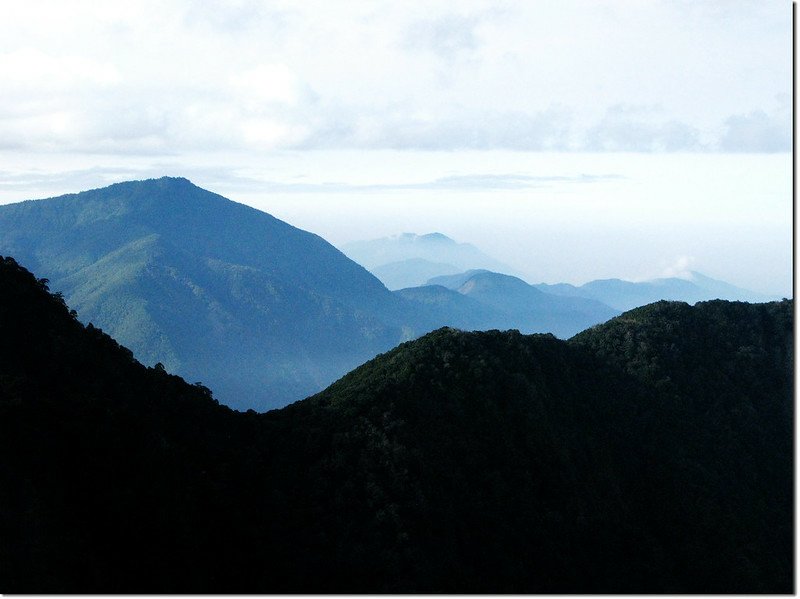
651, 454
216, 290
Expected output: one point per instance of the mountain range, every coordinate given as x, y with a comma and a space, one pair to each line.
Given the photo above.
217, 291
227, 295
649, 454
483, 300
411, 260
408, 259
624, 295
265, 313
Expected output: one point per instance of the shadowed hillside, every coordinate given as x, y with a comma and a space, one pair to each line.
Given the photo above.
649, 454
217, 291
222, 293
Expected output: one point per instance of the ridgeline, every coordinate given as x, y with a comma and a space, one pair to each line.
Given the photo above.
651, 454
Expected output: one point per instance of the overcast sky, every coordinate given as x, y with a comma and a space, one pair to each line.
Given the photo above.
637, 75
410, 103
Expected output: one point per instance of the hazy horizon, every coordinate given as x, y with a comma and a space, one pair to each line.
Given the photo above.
573, 141
573, 219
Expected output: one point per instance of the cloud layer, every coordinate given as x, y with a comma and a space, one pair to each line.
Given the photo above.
164, 78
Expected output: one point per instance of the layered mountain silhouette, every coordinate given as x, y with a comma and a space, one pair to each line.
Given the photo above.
217, 291
624, 295
412, 272
409, 260
508, 302
221, 293
651, 454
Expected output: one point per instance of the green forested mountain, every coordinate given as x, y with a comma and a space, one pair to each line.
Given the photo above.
723, 374
217, 291
649, 454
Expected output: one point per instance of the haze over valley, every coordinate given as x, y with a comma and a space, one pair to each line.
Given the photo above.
266, 314
358, 297
480, 462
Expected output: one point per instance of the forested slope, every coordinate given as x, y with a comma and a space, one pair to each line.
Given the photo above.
650, 454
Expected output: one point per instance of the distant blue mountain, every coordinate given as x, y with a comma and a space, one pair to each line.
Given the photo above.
511, 303
625, 295
411, 272
409, 259
261, 312
456, 280
219, 292
440, 306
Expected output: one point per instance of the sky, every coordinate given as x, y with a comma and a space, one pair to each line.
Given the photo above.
571, 139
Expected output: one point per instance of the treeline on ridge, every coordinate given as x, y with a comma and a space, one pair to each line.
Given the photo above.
649, 454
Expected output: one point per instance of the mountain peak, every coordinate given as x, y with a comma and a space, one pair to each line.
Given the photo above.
510, 462
177, 182
177, 273
434, 237
160, 183
434, 247
167, 180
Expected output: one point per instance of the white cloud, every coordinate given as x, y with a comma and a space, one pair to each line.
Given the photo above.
266, 133
759, 131
234, 17
267, 83
33, 70
447, 36
680, 269
175, 77
641, 129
